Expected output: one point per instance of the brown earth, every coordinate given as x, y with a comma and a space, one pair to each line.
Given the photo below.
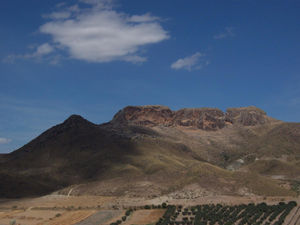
45, 217
144, 217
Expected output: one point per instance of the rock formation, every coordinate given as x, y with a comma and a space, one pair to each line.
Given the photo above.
200, 118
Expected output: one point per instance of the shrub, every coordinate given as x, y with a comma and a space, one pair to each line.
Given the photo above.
128, 212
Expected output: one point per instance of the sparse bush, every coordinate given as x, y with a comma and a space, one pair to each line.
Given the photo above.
128, 212
58, 215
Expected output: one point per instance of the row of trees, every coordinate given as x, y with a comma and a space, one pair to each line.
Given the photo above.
251, 214
166, 219
244, 214
127, 213
130, 211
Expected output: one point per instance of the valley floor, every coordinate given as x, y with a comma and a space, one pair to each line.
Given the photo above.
96, 210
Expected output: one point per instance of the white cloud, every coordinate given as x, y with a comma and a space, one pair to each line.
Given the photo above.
58, 15
190, 62
61, 4
63, 13
142, 18
225, 34
4, 140
40, 51
93, 31
101, 34
43, 49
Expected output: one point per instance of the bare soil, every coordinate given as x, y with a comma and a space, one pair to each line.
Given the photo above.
143, 217
102, 217
58, 201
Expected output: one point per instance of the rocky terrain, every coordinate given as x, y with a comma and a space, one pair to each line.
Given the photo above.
201, 118
151, 151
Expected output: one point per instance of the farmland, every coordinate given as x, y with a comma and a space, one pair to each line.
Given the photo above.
247, 213
219, 214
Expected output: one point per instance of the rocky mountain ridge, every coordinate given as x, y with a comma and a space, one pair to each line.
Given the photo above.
200, 118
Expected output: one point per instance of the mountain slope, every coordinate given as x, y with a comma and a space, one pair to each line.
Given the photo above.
150, 150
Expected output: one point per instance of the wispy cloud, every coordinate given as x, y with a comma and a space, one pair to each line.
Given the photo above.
40, 52
228, 32
4, 140
58, 15
195, 61
93, 31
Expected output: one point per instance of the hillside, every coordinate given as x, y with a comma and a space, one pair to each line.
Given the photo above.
152, 150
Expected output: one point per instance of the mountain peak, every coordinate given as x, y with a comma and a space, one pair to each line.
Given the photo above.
75, 121
74, 117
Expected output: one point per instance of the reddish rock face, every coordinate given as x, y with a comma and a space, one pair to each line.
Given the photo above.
145, 115
247, 116
201, 118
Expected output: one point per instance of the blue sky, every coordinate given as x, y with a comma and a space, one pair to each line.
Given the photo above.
93, 57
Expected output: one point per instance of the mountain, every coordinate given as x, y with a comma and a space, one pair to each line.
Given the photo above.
152, 150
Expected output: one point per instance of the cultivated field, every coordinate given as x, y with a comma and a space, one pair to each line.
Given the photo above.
97, 210
228, 215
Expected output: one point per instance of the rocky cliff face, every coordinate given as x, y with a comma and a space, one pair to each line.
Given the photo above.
247, 116
201, 118
144, 115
